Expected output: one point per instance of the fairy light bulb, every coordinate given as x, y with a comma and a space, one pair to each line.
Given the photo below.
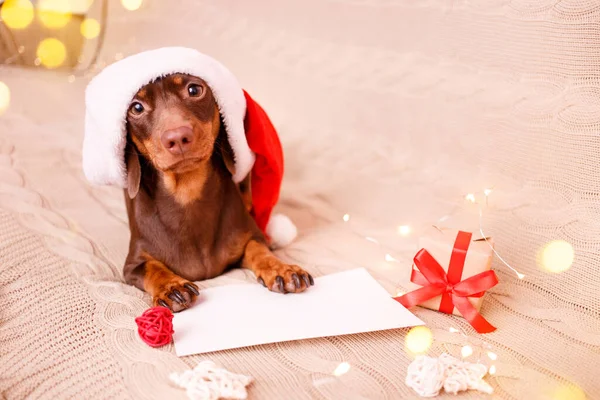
466, 351
346, 217
493, 356
4, 97
389, 258
403, 230
341, 369
492, 370
470, 197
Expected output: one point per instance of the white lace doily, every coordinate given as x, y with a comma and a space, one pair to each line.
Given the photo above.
428, 375
208, 382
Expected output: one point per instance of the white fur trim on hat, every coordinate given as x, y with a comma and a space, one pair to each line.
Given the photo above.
109, 94
281, 230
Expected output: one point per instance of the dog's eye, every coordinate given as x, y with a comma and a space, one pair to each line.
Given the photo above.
195, 90
136, 108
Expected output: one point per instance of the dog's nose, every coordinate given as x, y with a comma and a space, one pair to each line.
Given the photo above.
178, 140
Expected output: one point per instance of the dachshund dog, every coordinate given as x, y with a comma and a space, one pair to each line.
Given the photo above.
189, 221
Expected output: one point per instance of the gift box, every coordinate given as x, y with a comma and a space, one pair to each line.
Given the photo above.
451, 273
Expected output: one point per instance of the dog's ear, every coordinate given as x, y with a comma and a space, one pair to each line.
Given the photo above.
226, 151
134, 171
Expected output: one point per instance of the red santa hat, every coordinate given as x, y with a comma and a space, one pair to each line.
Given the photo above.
256, 147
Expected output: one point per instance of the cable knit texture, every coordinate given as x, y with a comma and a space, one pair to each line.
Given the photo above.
389, 111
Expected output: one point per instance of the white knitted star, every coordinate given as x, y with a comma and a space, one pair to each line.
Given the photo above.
207, 382
428, 375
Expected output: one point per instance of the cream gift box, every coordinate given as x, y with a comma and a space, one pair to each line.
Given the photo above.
439, 242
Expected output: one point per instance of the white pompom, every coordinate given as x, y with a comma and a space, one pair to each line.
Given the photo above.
281, 230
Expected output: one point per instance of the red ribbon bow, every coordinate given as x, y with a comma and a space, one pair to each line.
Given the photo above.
454, 292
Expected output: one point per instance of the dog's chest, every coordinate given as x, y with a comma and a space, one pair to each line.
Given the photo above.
200, 242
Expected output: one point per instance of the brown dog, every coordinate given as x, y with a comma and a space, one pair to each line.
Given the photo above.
189, 221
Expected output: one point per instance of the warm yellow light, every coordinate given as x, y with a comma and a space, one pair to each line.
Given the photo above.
4, 97
51, 52
466, 351
132, 5
493, 356
520, 275
90, 28
470, 197
453, 330
17, 14
487, 192
341, 369
54, 14
557, 256
572, 392
418, 339
346, 217
403, 230
492, 370
80, 6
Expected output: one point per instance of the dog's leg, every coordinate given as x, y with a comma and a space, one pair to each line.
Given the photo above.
166, 288
272, 272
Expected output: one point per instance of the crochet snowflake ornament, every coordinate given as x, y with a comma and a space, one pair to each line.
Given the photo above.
208, 382
428, 375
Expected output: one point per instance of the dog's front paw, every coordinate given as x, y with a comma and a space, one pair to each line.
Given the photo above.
176, 294
283, 278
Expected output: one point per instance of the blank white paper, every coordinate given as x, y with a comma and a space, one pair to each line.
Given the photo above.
233, 316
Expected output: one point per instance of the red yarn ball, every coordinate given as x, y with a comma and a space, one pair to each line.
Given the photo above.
155, 326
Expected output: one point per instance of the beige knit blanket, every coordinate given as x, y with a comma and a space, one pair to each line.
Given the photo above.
390, 111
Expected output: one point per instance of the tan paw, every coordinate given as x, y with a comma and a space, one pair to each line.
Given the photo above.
176, 295
283, 278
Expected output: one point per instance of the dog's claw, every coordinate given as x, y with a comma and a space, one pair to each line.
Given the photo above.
280, 284
306, 280
163, 303
177, 296
296, 280
262, 282
312, 281
191, 288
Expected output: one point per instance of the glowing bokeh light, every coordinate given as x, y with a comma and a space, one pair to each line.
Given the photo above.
492, 370
54, 14
493, 356
557, 256
470, 197
90, 28
403, 230
487, 192
346, 217
51, 52
418, 340
4, 97
466, 351
17, 14
341, 369
132, 5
